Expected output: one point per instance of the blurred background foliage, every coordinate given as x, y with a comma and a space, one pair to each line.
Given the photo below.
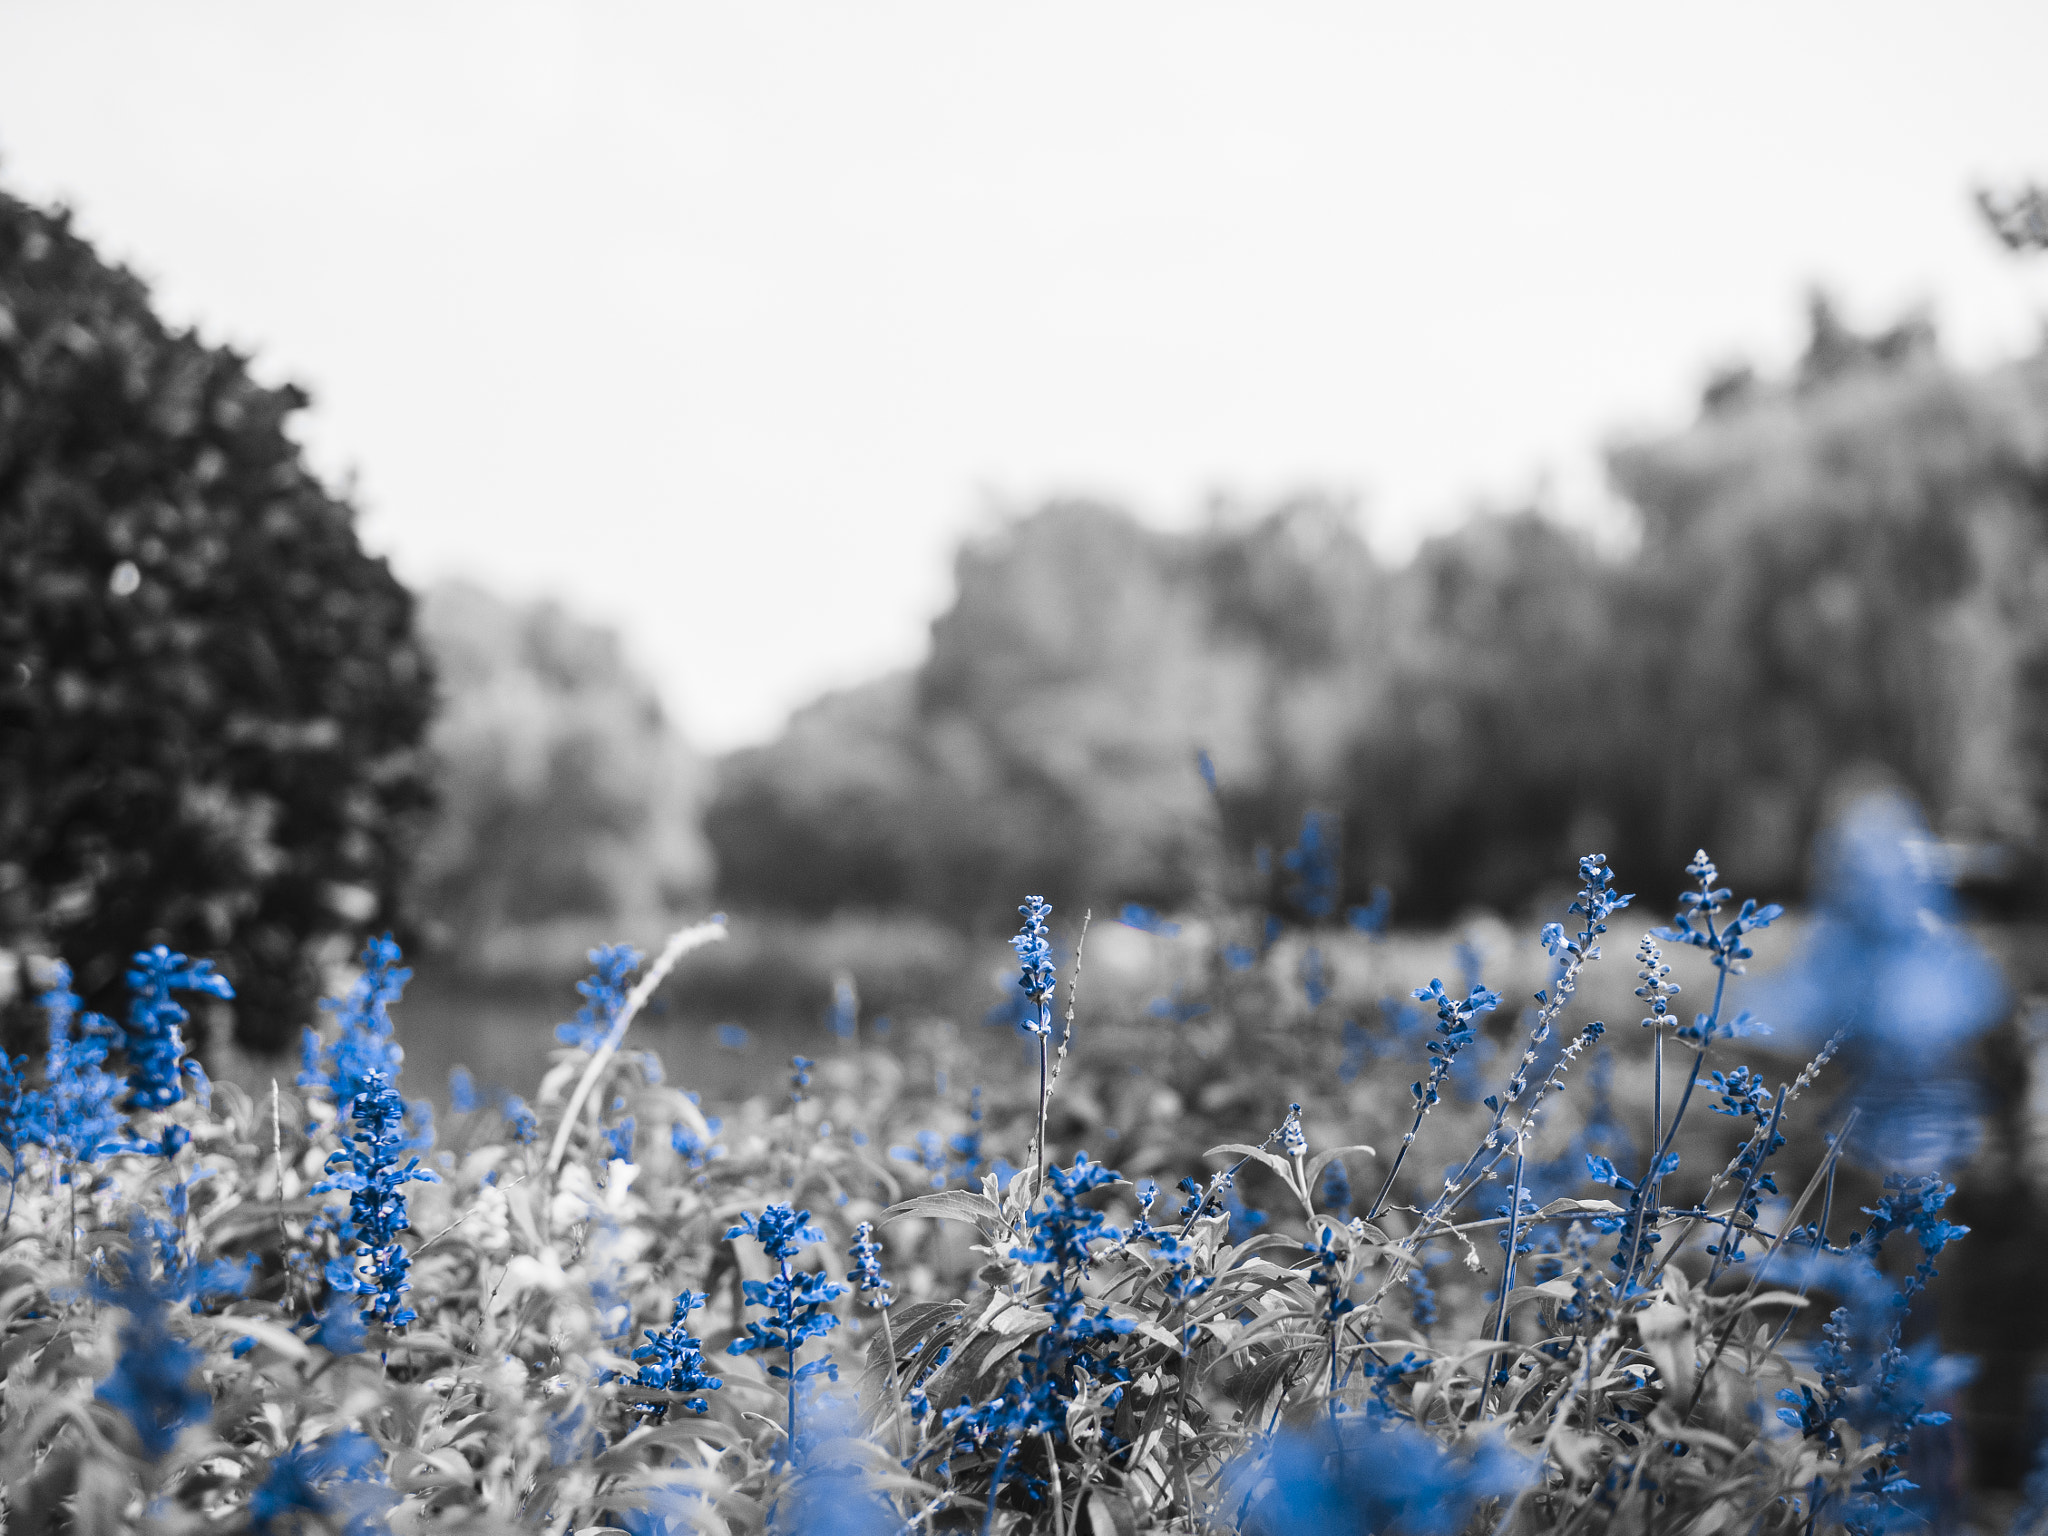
231, 729
566, 799
1837, 579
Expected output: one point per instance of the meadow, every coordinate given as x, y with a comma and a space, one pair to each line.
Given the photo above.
1257, 1218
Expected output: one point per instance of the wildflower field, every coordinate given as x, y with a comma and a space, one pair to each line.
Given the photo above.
1487, 1263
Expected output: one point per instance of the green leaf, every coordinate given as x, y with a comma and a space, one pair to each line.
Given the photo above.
947, 1205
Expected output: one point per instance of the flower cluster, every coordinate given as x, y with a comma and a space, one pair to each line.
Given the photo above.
153, 1382
1726, 944
1454, 1031
864, 1267
795, 1300
1316, 865
370, 1172
672, 1360
156, 1044
1034, 954
340, 1068
604, 993
79, 1114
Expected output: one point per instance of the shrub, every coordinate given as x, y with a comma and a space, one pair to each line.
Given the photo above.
323, 1321
212, 696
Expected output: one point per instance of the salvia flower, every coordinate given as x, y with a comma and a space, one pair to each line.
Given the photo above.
363, 1040
672, 1360
1336, 1188
865, 1270
1315, 862
521, 1124
604, 992
1293, 1140
795, 1300
1034, 955
24, 1113
341, 1475
156, 1044
1455, 1030
1078, 1347
153, 1381
370, 1171
1362, 1475
1695, 923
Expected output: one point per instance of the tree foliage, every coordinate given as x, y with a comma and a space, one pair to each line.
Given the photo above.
1838, 579
565, 796
212, 697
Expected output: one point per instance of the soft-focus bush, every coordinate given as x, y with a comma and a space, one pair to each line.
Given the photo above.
565, 799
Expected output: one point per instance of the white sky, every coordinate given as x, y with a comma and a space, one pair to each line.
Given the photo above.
725, 322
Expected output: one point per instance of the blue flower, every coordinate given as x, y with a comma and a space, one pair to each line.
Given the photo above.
461, 1091
1145, 920
673, 1361
24, 1113
520, 1122
305, 1478
794, 1300
1455, 1030
1336, 1190
780, 1231
865, 1270
375, 1181
363, 1043
1034, 953
1316, 865
1076, 1347
152, 1382
1383, 1478
619, 1140
1695, 923
1886, 958
156, 1047
604, 992
1375, 917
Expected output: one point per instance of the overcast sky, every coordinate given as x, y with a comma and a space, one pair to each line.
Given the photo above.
724, 323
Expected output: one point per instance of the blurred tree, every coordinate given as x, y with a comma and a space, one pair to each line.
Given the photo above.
1852, 567
210, 696
564, 795
1048, 744
1502, 755
2019, 218
1842, 577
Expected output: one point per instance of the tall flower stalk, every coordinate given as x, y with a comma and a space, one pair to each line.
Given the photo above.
795, 1301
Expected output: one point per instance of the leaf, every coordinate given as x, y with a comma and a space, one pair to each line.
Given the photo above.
1579, 1208
1323, 1159
1272, 1160
1105, 1513
947, 1205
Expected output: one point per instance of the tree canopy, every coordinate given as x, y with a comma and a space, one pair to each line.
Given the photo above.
212, 698
1839, 577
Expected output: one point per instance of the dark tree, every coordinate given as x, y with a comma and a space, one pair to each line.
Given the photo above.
211, 700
